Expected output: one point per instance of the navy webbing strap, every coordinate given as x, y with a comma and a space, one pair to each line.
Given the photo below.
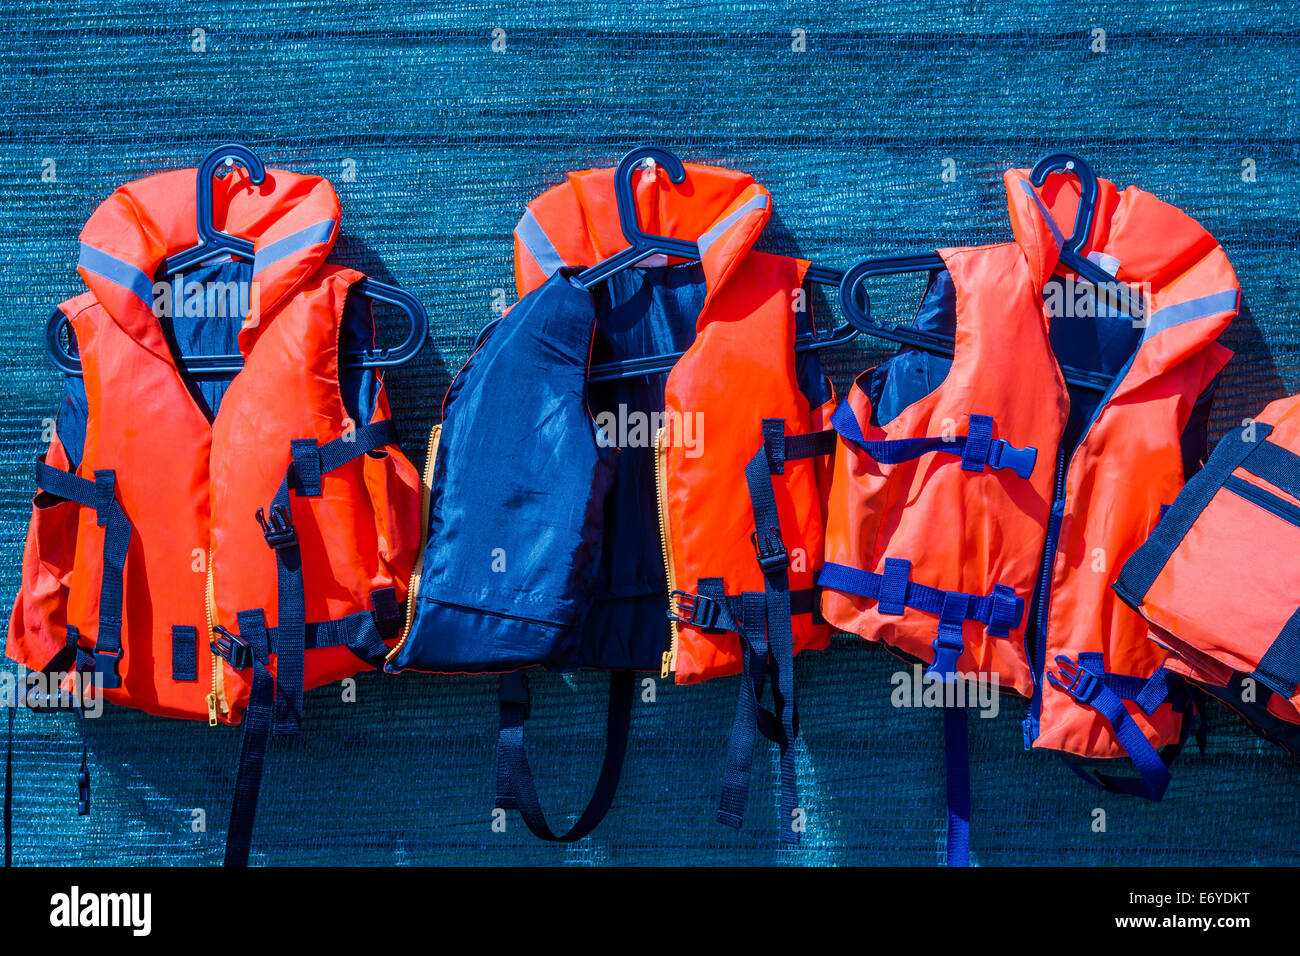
303, 478
956, 763
976, 449
714, 611
894, 592
763, 624
363, 633
1279, 668
1141, 570
1276, 465
1000, 611
774, 562
248, 648
99, 495
73, 659
751, 630
514, 778
722, 612
1084, 681
948, 647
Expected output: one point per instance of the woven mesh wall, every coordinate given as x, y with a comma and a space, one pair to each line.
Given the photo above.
449, 139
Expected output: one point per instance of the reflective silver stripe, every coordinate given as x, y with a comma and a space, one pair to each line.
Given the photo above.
272, 253
129, 277
715, 233
538, 244
1056, 232
1190, 311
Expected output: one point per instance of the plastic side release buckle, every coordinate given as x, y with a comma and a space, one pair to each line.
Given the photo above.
947, 649
693, 609
278, 530
232, 648
1080, 683
106, 663
948, 643
513, 690
1003, 455
770, 550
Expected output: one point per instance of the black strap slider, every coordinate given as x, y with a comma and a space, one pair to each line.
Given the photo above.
278, 530
232, 648
693, 609
514, 691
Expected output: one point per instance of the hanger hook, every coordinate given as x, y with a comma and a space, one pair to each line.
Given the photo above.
854, 313
623, 187
1070, 163
226, 155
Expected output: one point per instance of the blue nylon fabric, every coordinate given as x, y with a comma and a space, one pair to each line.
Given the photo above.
638, 312
510, 562
434, 165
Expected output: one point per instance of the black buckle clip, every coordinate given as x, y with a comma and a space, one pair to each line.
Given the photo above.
693, 609
1077, 681
770, 551
106, 663
513, 689
232, 648
278, 531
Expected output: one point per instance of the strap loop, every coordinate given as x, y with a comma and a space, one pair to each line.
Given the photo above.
893, 586
515, 786
306, 467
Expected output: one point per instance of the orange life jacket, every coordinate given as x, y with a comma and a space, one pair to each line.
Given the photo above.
980, 510
1225, 552
271, 515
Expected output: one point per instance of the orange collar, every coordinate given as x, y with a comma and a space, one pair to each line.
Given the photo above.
1189, 287
291, 220
576, 223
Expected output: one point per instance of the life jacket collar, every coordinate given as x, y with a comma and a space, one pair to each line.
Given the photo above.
724, 211
292, 222
1145, 243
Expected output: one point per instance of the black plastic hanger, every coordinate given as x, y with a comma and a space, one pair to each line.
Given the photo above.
854, 301
212, 242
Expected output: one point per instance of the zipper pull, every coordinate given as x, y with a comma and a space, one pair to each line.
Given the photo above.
666, 667
212, 709
1030, 729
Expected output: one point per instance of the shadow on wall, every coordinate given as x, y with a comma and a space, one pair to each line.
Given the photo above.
414, 390
1251, 379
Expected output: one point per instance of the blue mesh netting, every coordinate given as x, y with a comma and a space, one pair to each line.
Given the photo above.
449, 139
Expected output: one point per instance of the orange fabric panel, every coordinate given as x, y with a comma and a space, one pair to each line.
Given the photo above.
343, 557
962, 531
144, 425
739, 370
580, 216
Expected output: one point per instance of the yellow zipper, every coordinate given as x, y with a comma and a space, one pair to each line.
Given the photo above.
669, 664
434, 435
217, 688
